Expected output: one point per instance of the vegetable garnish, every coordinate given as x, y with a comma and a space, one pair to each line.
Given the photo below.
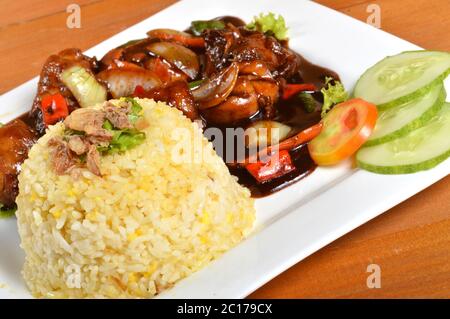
345, 129
84, 86
265, 132
396, 122
136, 109
6, 213
279, 164
402, 78
183, 58
269, 24
92, 132
333, 93
419, 150
301, 138
308, 101
288, 144
124, 139
197, 27
54, 108
217, 88
290, 90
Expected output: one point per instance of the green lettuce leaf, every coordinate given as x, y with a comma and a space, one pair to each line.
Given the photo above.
307, 101
332, 94
126, 140
197, 27
6, 213
136, 109
122, 139
270, 24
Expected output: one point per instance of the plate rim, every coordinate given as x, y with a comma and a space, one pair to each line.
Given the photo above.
275, 228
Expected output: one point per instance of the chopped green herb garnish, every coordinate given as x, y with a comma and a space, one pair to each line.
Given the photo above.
197, 27
270, 24
308, 101
135, 106
1, 124
108, 126
123, 140
7, 212
136, 109
333, 93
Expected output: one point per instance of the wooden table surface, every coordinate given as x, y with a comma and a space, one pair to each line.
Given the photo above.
411, 242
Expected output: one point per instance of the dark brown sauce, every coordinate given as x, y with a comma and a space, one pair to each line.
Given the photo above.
304, 166
290, 112
28, 119
312, 73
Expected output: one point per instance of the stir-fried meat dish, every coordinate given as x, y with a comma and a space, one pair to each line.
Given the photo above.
16, 138
224, 74
50, 83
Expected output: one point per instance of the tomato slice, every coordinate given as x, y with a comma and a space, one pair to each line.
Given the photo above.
345, 129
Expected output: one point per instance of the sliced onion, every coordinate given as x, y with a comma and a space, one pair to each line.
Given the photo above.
183, 58
216, 89
167, 34
83, 85
177, 36
264, 133
113, 59
164, 70
122, 82
110, 58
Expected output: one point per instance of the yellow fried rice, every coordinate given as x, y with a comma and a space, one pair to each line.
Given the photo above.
149, 221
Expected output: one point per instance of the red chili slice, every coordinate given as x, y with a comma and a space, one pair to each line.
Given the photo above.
279, 164
54, 108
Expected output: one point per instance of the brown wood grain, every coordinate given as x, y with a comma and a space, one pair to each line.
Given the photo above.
423, 22
25, 45
410, 242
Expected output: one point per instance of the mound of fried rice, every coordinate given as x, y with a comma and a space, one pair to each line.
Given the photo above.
149, 221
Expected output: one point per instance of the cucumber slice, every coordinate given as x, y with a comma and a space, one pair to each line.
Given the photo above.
84, 86
401, 78
421, 149
399, 121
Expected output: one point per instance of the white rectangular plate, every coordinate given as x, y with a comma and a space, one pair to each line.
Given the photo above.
296, 221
